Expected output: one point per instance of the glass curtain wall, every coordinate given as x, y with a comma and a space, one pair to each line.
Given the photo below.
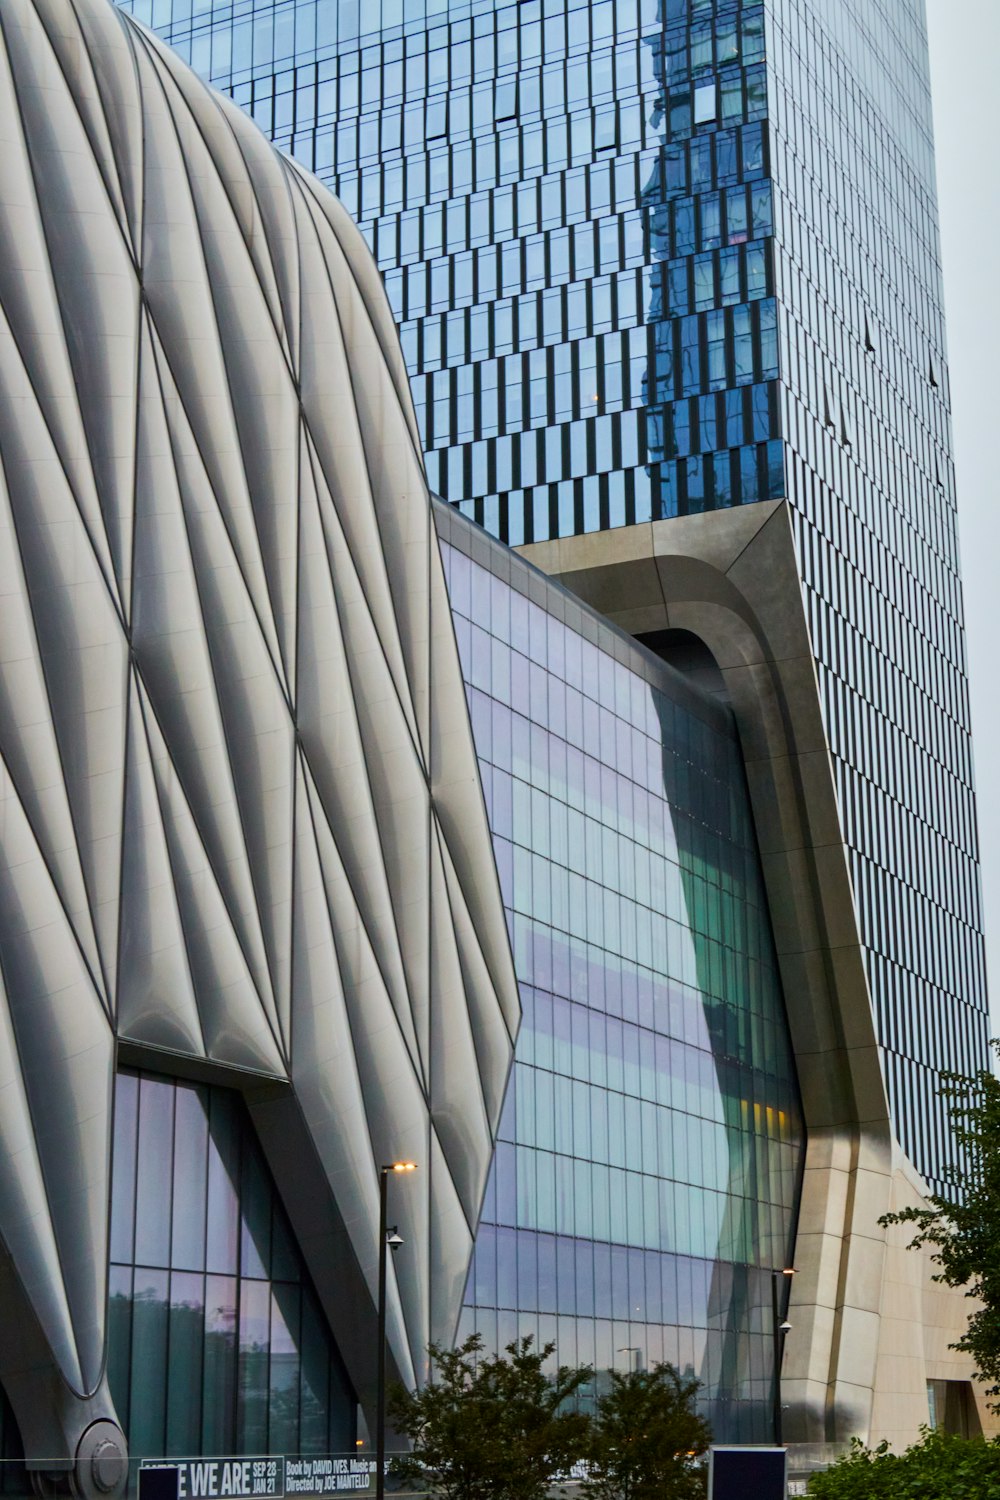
647, 1174
870, 474
713, 405
217, 1342
559, 272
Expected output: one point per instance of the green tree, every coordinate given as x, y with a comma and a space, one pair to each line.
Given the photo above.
940, 1467
964, 1229
494, 1428
645, 1438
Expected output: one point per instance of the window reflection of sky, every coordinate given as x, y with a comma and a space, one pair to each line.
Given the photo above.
217, 1343
649, 1153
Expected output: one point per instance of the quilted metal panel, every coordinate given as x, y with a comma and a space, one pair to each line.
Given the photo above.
241, 816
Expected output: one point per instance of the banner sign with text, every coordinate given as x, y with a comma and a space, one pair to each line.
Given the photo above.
260, 1478
328, 1476
263, 1478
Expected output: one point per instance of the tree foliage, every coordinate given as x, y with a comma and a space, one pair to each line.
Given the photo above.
644, 1438
965, 1229
940, 1467
494, 1428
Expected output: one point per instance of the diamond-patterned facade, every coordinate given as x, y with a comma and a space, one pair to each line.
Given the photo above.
242, 819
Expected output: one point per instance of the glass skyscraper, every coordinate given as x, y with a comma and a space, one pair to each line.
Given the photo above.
867, 442
654, 257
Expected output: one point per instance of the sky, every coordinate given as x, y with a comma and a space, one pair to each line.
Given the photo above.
965, 42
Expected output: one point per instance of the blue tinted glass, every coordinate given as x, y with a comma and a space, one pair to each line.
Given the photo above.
649, 1062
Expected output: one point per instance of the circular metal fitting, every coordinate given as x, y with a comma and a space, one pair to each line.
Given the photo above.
101, 1462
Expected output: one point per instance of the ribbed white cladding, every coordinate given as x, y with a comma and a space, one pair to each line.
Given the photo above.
241, 814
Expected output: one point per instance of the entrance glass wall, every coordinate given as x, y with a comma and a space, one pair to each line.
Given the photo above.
217, 1341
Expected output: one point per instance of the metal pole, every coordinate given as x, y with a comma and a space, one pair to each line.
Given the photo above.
777, 1360
380, 1398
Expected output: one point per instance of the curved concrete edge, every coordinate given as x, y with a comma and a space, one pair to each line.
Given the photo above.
732, 579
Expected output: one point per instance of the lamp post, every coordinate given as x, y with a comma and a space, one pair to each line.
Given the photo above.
631, 1349
780, 1329
383, 1240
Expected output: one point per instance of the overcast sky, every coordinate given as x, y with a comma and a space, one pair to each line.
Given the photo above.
965, 43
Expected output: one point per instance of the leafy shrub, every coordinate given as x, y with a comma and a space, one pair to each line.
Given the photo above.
940, 1467
645, 1438
491, 1427
963, 1226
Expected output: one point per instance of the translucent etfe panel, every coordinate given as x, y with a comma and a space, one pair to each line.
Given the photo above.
217, 1344
647, 1174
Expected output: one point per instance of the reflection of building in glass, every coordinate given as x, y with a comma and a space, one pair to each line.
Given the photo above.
648, 1165
825, 210
217, 1341
711, 391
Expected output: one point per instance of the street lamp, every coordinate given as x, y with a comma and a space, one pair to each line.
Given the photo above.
631, 1349
383, 1243
780, 1329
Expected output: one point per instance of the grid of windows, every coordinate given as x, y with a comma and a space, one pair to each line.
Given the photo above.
864, 398
647, 1169
216, 1341
658, 256
565, 280
712, 399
